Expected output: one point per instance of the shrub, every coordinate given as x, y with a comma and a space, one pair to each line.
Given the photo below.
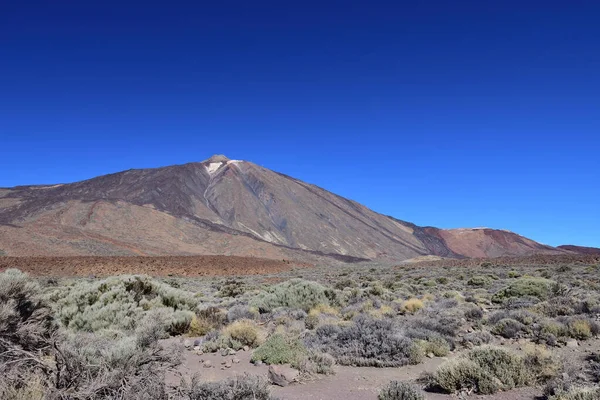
280, 349
396, 390
578, 394
211, 318
26, 322
198, 327
318, 363
463, 374
295, 293
473, 313
367, 342
26, 331
231, 288
539, 288
247, 387
240, 312
509, 328
479, 281
541, 363
477, 338
436, 345
245, 332
484, 370
502, 364
412, 305
580, 329
118, 303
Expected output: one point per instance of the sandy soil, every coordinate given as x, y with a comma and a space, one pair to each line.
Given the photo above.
352, 383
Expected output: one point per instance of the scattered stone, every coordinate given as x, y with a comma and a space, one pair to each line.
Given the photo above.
198, 342
572, 343
246, 348
235, 360
196, 348
430, 355
187, 343
207, 364
282, 375
232, 352
258, 363
225, 352
227, 364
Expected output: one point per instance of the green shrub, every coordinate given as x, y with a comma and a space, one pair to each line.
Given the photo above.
479, 281
281, 349
295, 293
484, 370
463, 374
525, 287
436, 345
502, 364
396, 390
120, 303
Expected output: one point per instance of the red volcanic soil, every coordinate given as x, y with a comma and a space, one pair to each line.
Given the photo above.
192, 266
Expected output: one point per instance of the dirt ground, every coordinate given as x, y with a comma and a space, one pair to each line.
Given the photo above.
353, 383
182, 266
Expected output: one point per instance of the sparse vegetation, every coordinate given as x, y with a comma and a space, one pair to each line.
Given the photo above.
387, 317
396, 390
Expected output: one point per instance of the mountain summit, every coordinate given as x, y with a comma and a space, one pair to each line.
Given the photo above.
223, 206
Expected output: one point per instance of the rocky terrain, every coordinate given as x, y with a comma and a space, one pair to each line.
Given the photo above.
226, 207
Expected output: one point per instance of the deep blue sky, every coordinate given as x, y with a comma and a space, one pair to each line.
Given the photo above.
445, 113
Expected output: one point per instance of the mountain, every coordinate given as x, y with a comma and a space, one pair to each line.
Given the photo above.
580, 249
223, 206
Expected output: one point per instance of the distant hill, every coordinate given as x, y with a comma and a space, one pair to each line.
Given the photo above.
580, 249
225, 207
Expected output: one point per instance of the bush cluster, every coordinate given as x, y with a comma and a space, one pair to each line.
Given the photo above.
366, 342
118, 303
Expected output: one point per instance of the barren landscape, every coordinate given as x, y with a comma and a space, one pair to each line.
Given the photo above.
242, 328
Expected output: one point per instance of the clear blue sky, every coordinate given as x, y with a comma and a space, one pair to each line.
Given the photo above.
445, 113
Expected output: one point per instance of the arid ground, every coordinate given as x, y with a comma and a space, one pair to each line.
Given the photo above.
248, 328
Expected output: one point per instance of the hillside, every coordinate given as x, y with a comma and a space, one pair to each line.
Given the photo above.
224, 207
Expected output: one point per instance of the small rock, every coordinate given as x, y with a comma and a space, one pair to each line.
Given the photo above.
196, 348
282, 375
232, 352
187, 343
246, 348
199, 352
430, 355
235, 360
207, 364
258, 363
225, 352
198, 342
572, 343
227, 364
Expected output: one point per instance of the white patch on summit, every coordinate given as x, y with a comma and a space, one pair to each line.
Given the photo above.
213, 166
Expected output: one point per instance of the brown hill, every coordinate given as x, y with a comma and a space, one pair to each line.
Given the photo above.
580, 249
223, 207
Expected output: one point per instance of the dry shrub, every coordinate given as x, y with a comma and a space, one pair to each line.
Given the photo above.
246, 332
412, 305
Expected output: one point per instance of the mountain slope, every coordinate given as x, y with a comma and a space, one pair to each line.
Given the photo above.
222, 206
